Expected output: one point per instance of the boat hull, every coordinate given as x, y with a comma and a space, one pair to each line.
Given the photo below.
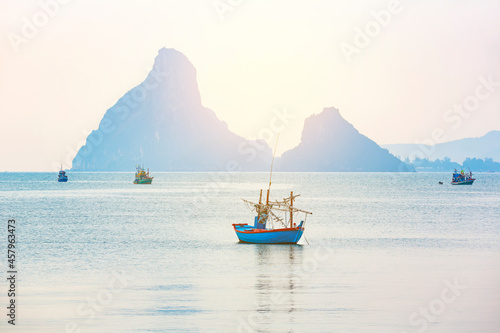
249, 234
143, 181
465, 182
62, 180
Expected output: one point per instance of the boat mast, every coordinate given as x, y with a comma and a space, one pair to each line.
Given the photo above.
291, 210
271, 174
270, 177
259, 207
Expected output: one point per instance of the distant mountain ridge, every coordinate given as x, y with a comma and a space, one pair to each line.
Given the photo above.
162, 124
486, 146
330, 143
478, 165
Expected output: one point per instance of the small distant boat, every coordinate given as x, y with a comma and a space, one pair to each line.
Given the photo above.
62, 177
141, 176
440, 183
462, 178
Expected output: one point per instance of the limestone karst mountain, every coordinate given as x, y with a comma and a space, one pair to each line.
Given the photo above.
330, 143
162, 124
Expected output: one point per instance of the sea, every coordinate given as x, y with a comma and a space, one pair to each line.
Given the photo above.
382, 252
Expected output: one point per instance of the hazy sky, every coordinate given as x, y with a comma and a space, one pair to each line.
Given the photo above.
396, 81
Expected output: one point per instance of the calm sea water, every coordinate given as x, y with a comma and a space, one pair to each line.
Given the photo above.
386, 253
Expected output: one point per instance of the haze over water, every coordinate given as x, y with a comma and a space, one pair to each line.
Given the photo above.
383, 247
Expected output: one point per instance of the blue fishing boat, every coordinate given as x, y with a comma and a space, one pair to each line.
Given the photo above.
62, 177
269, 227
461, 178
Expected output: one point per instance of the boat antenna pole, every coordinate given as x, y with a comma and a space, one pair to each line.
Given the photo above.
259, 207
272, 162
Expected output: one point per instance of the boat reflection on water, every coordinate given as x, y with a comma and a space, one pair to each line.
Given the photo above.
279, 276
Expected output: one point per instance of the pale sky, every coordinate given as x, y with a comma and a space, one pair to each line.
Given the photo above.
256, 57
